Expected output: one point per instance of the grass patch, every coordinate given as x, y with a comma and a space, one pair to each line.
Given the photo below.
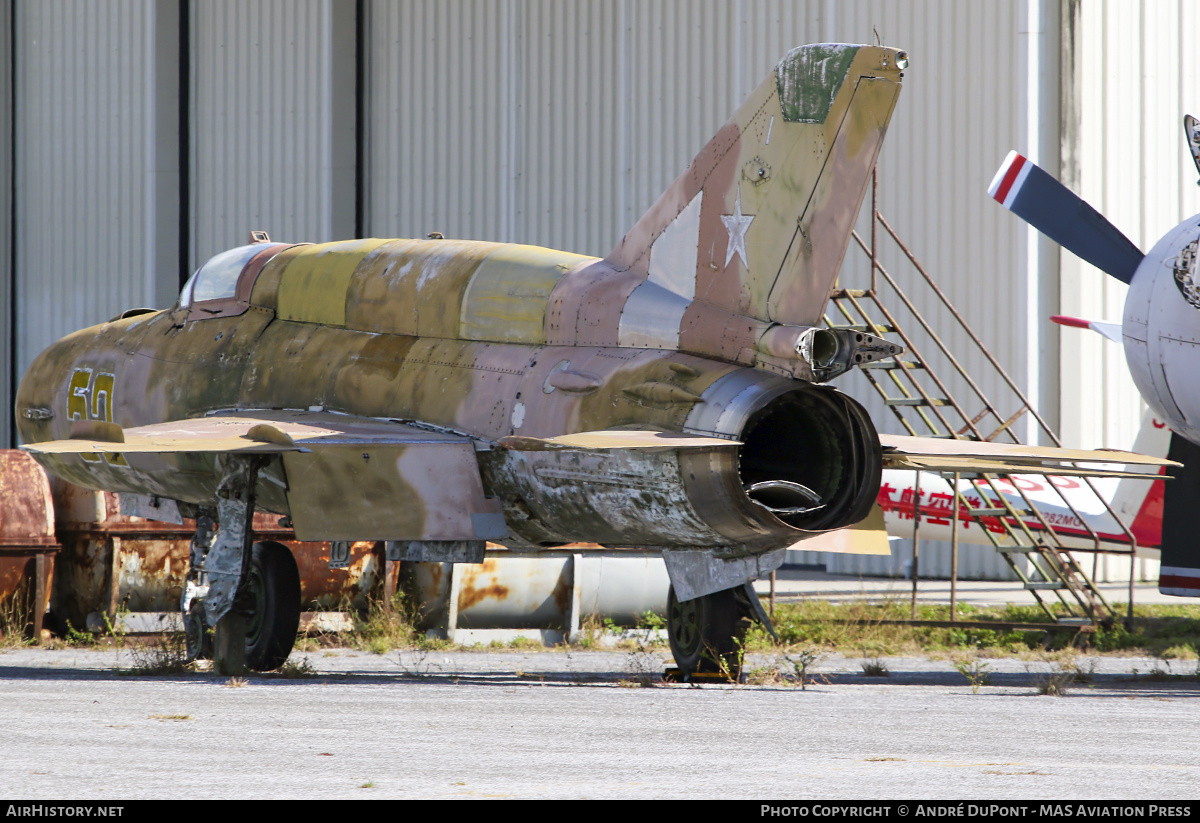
167, 656
1166, 631
390, 626
591, 629
520, 643
73, 637
1184, 651
850, 627
14, 619
295, 670
383, 629
650, 620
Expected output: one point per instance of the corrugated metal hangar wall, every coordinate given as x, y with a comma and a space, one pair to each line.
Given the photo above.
140, 137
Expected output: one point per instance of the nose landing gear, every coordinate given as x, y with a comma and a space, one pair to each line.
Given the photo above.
274, 584
248, 593
270, 604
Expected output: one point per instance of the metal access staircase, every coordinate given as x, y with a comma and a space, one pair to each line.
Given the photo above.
922, 401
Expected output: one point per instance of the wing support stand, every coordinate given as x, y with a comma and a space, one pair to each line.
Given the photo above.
217, 594
756, 609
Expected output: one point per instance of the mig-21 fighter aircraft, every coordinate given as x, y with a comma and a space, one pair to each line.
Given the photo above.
440, 393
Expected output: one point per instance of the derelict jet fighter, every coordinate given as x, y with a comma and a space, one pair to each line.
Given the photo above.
1160, 330
441, 393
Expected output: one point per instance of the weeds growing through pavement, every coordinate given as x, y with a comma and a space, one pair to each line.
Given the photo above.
977, 672
166, 656
14, 614
294, 670
1055, 684
875, 668
802, 662
644, 666
386, 626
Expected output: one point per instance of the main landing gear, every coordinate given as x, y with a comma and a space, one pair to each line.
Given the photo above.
707, 633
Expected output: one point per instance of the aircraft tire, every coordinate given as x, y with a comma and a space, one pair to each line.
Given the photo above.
274, 582
706, 634
198, 640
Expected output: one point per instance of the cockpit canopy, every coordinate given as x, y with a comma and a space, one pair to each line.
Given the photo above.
218, 279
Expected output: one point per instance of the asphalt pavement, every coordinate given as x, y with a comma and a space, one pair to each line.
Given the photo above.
504, 724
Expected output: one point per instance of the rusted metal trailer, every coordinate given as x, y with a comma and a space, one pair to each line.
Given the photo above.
128, 572
27, 543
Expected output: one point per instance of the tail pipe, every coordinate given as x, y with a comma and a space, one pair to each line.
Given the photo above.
810, 459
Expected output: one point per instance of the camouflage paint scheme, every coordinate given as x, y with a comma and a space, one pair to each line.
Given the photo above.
698, 322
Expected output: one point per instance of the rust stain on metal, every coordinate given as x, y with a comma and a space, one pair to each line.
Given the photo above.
27, 540
469, 596
471, 593
338, 588
26, 512
562, 590
152, 558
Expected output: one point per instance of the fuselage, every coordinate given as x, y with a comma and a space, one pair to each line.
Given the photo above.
469, 338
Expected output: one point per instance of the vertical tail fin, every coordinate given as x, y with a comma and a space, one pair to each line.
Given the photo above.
759, 223
1140, 502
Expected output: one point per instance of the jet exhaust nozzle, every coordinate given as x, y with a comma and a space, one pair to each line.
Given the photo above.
784, 497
